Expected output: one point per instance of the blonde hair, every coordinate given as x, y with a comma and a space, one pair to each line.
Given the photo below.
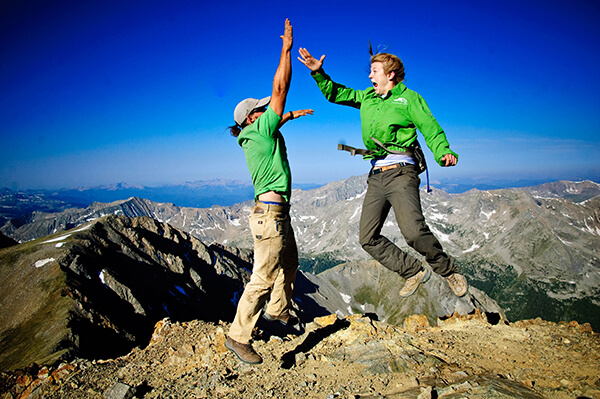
390, 63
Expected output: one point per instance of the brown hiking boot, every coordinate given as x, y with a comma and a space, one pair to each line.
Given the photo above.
458, 284
412, 283
244, 352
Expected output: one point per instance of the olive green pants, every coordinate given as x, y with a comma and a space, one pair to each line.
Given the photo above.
274, 270
398, 189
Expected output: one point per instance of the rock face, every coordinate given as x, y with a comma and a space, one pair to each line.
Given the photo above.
98, 290
340, 357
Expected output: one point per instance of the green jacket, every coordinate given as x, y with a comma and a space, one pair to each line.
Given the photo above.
266, 155
393, 120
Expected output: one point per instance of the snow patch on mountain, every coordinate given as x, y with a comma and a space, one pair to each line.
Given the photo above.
43, 262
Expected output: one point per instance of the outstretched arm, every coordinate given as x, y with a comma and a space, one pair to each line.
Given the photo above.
334, 92
283, 75
288, 116
311, 63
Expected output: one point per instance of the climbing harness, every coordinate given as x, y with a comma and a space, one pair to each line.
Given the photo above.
415, 152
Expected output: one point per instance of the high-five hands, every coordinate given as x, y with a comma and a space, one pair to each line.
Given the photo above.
312, 63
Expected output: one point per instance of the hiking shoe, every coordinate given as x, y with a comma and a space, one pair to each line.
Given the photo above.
412, 283
244, 352
287, 321
458, 284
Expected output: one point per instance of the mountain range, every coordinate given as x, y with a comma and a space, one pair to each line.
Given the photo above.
535, 249
199, 194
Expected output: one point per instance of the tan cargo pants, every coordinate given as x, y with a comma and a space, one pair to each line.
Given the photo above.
274, 270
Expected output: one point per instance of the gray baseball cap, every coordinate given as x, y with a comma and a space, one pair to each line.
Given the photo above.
243, 109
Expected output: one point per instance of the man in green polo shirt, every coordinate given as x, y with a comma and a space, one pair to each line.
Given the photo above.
390, 116
257, 124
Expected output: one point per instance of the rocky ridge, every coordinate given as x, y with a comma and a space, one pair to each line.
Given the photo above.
368, 287
349, 357
98, 289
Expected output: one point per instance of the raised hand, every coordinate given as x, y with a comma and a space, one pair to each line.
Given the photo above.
283, 74
288, 36
312, 63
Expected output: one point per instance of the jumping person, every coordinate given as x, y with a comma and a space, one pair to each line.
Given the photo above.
257, 124
390, 116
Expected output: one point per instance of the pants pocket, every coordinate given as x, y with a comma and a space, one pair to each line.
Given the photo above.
276, 225
257, 223
268, 225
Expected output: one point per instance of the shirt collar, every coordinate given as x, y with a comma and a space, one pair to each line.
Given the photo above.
396, 90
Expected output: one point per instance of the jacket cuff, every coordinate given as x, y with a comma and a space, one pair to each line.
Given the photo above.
320, 75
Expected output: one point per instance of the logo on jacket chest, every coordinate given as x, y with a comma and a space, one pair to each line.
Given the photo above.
400, 101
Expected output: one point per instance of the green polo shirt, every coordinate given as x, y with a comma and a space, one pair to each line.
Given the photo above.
266, 155
393, 120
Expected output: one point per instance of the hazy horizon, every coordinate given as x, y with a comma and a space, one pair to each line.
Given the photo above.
445, 184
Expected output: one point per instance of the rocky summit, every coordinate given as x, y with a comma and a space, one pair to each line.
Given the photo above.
339, 357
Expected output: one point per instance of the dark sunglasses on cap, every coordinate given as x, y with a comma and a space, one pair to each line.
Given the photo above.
261, 109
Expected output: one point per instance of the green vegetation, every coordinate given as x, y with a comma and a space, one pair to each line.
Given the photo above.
523, 298
319, 263
368, 294
446, 229
41, 307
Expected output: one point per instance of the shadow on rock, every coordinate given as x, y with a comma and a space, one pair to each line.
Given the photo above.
312, 339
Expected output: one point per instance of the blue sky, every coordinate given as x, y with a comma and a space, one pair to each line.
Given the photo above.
99, 92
